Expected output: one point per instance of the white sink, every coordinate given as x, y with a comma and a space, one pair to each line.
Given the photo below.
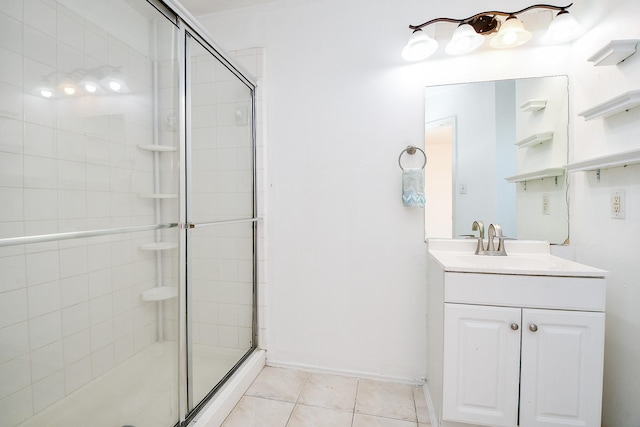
510, 262
523, 257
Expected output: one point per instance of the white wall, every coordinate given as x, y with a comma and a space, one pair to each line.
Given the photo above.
347, 261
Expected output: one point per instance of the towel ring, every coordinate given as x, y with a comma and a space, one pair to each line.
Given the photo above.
411, 150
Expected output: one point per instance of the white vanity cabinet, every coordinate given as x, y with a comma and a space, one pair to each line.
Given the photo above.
508, 347
546, 363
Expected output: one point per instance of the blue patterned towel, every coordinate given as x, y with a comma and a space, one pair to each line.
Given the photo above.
413, 187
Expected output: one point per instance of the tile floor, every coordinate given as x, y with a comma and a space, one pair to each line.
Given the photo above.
282, 397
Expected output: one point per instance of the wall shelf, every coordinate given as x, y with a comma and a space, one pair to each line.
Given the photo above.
535, 139
157, 195
541, 174
160, 293
614, 52
158, 246
154, 147
534, 105
606, 162
616, 105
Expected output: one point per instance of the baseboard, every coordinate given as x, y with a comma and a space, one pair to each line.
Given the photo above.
345, 373
432, 410
217, 410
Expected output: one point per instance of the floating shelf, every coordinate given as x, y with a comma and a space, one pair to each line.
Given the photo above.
535, 139
157, 195
160, 293
158, 246
616, 105
606, 162
534, 105
614, 52
154, 147
541, 174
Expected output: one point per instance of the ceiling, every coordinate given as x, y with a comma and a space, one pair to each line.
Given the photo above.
203, 7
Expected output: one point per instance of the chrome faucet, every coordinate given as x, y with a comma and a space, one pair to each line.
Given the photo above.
495, 231
479, 227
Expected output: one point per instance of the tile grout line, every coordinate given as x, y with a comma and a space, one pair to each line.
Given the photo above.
295, 404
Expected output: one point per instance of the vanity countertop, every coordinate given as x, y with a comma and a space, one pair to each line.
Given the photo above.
524, 257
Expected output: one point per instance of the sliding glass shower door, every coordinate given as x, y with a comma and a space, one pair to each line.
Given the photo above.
221, 214
127, 217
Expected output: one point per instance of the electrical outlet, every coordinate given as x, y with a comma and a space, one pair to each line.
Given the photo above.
617, 204
545, 204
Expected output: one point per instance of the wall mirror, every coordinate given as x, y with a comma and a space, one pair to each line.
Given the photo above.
496, 153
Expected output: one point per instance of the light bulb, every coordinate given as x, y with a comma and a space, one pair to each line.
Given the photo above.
509, 38
69, 90
115, 86
512, 33
46, 93
91, 88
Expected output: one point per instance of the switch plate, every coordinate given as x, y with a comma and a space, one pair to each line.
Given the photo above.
617, 204
545, 204
463, 188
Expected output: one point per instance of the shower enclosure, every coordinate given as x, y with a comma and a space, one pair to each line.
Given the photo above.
128, 219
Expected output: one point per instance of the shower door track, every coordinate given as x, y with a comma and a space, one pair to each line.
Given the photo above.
41, 238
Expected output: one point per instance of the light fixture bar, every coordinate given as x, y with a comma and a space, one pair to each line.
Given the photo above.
490, 13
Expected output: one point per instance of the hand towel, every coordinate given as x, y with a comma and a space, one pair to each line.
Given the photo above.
413, 187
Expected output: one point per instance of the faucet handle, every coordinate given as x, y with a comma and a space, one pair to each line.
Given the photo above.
479, 227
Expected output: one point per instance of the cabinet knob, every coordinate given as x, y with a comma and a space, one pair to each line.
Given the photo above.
514, 326
533, 327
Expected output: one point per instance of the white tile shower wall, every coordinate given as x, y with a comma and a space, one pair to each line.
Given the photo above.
70, 310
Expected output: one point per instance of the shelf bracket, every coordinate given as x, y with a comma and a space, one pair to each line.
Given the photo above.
556, 178
524, 185
598, 174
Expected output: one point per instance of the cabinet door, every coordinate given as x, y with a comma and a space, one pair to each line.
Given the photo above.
481, 364
562, 363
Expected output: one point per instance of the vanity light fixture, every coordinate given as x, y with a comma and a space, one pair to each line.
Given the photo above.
507, 33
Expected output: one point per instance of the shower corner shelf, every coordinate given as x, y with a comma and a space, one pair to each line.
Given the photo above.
158, 246
606, 162
535, 139
614, 52
620, 103
160, 293
157, 195
534, 105
155, 147
540, 174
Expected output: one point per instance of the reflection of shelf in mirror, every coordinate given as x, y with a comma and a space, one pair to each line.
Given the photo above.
160, 293
534, 105
535, 139
154, 147
541, 174
616, 105
158, 246
614, 52
605, 162
158, 195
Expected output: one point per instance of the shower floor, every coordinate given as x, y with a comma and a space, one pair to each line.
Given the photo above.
140, 392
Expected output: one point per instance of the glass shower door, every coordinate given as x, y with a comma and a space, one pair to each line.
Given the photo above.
88, 183
221, 212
